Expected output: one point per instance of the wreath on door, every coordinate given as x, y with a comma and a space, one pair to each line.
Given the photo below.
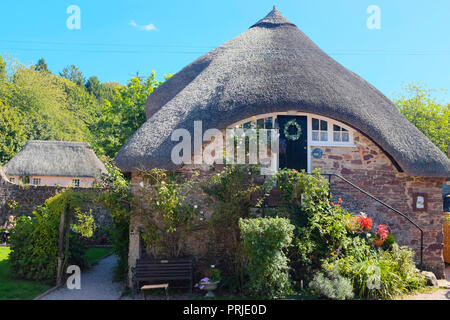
292, 137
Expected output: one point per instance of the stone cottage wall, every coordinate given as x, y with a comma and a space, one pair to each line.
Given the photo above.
198, 245
29, 197
367, 166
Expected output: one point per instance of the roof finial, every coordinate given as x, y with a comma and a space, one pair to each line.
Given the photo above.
275, 8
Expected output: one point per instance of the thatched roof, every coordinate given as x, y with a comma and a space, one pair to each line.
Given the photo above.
274, 67
55, 159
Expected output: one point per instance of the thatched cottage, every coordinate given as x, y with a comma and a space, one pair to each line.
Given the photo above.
273, 74
55, 163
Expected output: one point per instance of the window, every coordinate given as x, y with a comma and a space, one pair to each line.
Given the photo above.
36, 181
260, 123
340, 134
76, 183
319, 130
13, 180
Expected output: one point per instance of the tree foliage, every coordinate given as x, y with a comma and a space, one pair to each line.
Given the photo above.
73, 74
12, 133
38, 105
123, 114
429, 116
41, 66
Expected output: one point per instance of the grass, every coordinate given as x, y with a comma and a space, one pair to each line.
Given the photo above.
11, 289
94, 255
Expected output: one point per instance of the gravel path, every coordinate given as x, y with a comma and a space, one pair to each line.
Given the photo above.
96, 284
441, 294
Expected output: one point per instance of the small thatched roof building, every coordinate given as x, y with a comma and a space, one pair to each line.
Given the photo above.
274, 67
55, 159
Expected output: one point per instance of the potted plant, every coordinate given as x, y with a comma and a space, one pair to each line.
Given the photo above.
381, 234
210, 282
360, 223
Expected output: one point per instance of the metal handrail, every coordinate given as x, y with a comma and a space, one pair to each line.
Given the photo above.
384, 204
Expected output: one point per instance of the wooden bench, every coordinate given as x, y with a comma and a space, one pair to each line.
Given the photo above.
151, 270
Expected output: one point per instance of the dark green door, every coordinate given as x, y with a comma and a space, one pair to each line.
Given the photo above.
293, 142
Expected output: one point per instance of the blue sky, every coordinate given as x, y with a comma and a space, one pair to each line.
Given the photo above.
118, 38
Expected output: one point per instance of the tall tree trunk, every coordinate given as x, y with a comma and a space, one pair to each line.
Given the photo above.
62, 224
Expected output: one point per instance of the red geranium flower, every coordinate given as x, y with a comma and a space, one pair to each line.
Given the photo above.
365, 223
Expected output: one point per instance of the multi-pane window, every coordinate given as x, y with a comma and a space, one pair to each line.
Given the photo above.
13, 180
36, 181
261, 123
76, 183
319, 130
340, 134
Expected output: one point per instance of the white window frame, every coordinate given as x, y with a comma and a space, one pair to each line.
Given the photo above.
12, 180
37, 180
310, 142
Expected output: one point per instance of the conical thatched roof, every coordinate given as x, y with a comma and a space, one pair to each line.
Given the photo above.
274, 67
55, 159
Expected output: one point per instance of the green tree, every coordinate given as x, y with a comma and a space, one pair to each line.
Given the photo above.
44, 105
429, 116
2, 69
41, 66
123, 114
12, 133
93, 86
73, 74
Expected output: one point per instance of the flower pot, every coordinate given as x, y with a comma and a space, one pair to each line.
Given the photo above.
210, 287
378, 242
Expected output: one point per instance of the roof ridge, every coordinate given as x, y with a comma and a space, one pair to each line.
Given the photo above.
57, 142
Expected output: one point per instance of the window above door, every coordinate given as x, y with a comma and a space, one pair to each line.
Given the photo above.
322, 131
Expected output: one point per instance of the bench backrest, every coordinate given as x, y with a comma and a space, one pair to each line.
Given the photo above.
164, 269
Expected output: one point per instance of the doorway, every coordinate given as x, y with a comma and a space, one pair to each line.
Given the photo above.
293, 142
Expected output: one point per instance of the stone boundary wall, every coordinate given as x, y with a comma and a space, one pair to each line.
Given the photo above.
29, 197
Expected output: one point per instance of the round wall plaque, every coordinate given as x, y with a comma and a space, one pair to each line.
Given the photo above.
317, 153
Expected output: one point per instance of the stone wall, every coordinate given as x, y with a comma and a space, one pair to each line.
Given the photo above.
198, 245
367, 166
29, 197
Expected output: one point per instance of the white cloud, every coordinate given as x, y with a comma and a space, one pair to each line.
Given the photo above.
148, 27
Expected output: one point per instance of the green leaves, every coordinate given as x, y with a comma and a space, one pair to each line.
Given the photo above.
264, 241
429, 116
123, 113
12, 133
38, 105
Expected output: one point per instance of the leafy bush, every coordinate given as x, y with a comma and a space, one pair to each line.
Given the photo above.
264, 240
320, 225
382, 274
34, 241
166, 216
116, 197
230, 195
332, 285
325, 234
